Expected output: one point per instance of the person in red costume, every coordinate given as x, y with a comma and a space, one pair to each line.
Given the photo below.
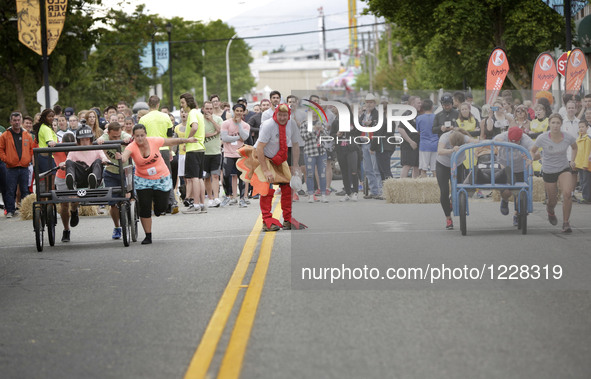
266, 164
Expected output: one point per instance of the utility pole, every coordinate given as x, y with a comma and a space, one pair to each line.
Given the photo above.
44, 55
389, 35
567, 19
323, 34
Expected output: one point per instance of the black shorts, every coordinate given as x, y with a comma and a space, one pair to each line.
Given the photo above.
553, 178
331, 155
230, 166
212, 164
409, 157
194, 164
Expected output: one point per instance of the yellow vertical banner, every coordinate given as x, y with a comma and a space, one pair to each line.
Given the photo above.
55, 12
29, 24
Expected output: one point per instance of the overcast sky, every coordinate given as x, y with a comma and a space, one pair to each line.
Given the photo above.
264, 17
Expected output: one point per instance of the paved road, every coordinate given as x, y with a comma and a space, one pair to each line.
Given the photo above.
94, 309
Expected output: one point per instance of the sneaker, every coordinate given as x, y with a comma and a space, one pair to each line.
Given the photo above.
345, 198
70, 181
66, 236
566, 228
9, 214
233, 201
147, 241
225, 202
187, 202
354, 197
310, 198
317, 192
378, 197
504, 207
449, 224
583, 201
193, 208
175, 210
368, 196
552, 218
202, 208
341, 193
300, 192
515, 220
242, 204
327, 192
92, 182
272, 228
210, 203
323, 199
216, 203
116, 233
74, 218
247, 201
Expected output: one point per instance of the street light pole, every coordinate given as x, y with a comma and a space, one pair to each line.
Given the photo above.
44, 55
228, 68
170, 101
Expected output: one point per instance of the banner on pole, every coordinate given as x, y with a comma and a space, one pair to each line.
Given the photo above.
544, 74
576, 68
55, 12
161, 49
29, 23
496, 72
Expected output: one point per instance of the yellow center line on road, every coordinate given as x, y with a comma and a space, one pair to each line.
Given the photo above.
232, 362
204, 354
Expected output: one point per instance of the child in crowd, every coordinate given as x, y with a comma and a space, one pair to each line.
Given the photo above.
84, 168
582, 163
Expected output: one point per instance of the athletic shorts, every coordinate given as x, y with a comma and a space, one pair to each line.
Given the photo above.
194, 164
60, 184
553, 178
212, 165
409, 157
230, 166
427, 160
112, 180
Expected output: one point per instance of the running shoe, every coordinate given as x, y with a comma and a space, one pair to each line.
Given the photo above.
504, 207
243, 204
9, 215
202, 208
116, 233
323, 199
216, 203
66, 236
566, 228
354, 197
310, 198
233, 201
70, 181
341, 193
92, 182
515, 220
449, 224
74, 218
345, 198
225, 202
552, 218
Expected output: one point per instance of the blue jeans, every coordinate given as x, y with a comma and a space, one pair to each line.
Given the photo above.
585, 180
18, 176
370, 168
318, 162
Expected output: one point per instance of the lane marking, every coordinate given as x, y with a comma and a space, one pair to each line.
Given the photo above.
206, 350
234, 356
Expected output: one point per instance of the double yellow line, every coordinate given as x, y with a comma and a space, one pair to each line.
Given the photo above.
234, 355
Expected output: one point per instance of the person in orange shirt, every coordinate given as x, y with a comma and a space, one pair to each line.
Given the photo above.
16, 151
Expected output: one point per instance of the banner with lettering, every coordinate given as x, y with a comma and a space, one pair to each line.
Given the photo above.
544, 74
496, 72
55, 12
29, 24
576, 68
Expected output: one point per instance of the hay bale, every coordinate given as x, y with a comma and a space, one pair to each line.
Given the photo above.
89, 210
411, 191
26, 208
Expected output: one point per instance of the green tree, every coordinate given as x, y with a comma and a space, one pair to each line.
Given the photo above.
447, 41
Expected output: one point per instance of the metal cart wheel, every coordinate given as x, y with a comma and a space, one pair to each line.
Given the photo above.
51, 221
38, 226
133, 219
366, 186
463, 202
523, 212
123, 219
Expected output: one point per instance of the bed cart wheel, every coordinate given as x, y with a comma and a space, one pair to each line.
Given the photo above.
133, 219
51, 220
523, 212
463, 201
123, 214
366, 186
38, 226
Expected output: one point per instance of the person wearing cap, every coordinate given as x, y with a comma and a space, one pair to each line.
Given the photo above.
84, 168
556, 168
445, 120
514, 135
369, 118
16, 151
